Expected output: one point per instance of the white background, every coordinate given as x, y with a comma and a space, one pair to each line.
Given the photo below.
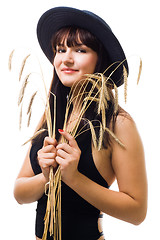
136, 24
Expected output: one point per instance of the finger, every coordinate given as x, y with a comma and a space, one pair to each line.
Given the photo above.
65, 147
59, 160
46, 163
61, 153
49, 148
71, 140
47, 156
49, 141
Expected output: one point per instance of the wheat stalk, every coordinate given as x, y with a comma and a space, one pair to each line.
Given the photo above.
51, 132
101, 100
37, 133
140, 70
51, 212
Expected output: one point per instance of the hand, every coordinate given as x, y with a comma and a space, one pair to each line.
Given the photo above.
46, 156
68, 155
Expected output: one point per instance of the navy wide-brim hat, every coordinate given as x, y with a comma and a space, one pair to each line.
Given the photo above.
59, 17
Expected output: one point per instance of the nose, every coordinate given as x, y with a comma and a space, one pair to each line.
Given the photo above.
68, 57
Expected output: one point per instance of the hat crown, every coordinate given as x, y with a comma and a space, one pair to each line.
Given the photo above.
97, 18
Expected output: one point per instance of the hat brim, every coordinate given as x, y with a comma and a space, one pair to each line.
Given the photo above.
56, 18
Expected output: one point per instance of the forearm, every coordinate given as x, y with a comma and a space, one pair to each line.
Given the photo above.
116, 204
29, 189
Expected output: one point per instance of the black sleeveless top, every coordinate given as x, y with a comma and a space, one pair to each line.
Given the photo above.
79, 218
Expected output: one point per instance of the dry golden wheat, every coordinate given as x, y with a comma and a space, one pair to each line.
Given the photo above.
100, 92
115, 99
20, 118
10, 60
37, 133
140, 70
114, 137
23, 65
23, 88
31, 102
125, 83
94, 138
29, 118
100, 140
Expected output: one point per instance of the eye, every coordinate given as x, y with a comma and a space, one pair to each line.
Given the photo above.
60, 50
80, 50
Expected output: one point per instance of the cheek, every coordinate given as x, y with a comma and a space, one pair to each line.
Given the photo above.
56, 62
56, 65
90, 64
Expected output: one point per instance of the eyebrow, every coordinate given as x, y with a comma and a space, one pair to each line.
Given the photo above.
62, 44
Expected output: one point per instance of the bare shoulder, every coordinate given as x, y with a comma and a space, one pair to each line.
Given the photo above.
124, 120
126, 131
129, 162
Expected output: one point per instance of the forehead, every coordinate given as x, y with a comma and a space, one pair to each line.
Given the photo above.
68, 41
69, 37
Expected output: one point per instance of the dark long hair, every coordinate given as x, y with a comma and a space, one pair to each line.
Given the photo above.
72, 36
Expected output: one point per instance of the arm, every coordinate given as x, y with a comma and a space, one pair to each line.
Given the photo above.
28, 186
130, 203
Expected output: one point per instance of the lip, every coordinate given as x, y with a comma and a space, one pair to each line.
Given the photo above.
69, 70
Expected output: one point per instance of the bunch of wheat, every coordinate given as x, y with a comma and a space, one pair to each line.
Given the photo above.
99, 92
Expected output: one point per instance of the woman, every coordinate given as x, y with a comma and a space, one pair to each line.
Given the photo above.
77, 43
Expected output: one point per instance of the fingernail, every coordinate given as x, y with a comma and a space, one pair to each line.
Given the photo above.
60, 130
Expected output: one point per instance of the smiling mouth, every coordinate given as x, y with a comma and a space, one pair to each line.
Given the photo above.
69, 70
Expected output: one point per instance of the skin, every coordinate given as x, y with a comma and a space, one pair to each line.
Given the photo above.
127, 164
72, 63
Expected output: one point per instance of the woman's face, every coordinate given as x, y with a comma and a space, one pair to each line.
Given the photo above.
71, 63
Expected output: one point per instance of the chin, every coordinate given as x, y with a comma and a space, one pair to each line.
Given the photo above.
68, 82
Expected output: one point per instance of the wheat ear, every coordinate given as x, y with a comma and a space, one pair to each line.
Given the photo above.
20, 117
125, 83
140, 70
114, 137
23, 88
115, 99
31, 102
94, 139
100, 140
23, 65
29, 118
10, 60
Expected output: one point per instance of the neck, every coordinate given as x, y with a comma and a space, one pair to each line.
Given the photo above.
78, 93
77, 99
